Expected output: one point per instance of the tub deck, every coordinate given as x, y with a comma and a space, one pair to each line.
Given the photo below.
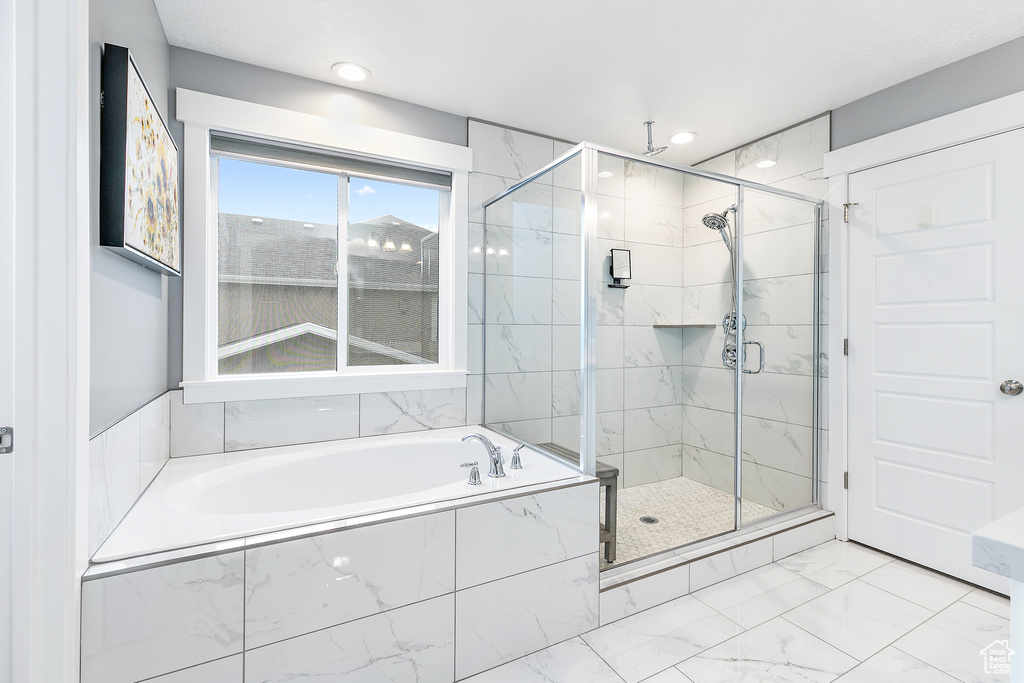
210, 503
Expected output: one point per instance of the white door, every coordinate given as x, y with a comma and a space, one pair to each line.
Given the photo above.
6, 330
936, 301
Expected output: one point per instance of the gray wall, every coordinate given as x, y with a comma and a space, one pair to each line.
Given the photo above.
980, 78
129, 304
219, 76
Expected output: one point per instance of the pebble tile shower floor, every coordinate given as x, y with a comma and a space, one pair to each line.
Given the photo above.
837, 612
686, 511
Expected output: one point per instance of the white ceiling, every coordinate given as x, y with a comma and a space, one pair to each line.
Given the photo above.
732, 70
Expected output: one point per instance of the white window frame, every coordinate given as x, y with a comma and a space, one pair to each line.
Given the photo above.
202, 113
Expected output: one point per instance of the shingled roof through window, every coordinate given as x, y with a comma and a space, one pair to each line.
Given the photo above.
275, 251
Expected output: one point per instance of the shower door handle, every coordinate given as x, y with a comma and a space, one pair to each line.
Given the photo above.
760, 351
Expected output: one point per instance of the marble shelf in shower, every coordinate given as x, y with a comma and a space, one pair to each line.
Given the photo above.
684, 326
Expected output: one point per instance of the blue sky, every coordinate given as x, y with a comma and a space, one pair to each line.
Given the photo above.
254, 189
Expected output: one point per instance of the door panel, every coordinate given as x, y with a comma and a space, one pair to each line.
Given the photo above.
935, 247
6, 329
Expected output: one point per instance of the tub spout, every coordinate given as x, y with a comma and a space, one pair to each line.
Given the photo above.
493, 452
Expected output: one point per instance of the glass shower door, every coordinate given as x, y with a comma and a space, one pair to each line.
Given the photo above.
778, 351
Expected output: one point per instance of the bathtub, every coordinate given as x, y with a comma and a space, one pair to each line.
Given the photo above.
253, 496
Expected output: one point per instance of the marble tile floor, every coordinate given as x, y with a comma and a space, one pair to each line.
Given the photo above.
836, 612
686, 511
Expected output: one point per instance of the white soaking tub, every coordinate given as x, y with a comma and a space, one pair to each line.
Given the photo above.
213, 499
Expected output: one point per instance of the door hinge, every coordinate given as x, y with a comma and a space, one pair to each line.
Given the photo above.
846, 210
846, 480
846, 347
6, 439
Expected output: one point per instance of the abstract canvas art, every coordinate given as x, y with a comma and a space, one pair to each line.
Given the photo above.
138, 170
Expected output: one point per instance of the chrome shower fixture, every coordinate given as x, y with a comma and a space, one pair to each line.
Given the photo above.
651, 149
718, 221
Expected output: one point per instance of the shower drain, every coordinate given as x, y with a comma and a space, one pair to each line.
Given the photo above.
647, 519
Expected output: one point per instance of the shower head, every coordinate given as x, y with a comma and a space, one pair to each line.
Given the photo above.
715, 221
651, 149
718, 221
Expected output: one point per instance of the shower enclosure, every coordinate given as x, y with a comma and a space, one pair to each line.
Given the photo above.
686, 376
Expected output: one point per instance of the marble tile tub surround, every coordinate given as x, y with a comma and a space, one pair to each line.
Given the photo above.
372, 603
204, 428
791, 629
123, 460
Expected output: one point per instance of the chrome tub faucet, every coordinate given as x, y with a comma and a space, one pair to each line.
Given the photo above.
493, 452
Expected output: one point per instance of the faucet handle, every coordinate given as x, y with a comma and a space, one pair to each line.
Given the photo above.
517, 464
474, 474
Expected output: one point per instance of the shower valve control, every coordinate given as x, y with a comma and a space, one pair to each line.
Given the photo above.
729, 323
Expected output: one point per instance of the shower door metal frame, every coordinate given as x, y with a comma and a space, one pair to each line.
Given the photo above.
589, 154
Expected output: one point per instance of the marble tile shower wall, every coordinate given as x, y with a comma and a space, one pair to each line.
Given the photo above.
779, 266
664, 405
202, 428
123, 459
639, 366
531, 312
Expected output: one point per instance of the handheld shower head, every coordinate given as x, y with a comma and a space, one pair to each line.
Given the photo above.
718, 221
715, 221
651, 149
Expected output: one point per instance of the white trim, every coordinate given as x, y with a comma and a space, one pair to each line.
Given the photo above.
51, 195
201, 113
235, 116
984, 120
989, 118
838, 292
250, 387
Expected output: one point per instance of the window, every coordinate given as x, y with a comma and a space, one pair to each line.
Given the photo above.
283, 285
326, 271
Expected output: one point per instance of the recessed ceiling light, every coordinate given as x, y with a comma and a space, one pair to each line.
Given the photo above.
765, 163
351, 72
406, 246
682, 137
605, 174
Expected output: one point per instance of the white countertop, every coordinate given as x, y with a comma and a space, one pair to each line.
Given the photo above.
999, 546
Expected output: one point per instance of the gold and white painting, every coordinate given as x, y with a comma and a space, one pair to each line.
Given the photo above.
151, 180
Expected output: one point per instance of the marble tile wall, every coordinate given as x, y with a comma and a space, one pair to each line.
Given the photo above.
650, 379
779, 288
151, 622
378, 602
702, 570
123, 459
640, 208
202, 428
524, 340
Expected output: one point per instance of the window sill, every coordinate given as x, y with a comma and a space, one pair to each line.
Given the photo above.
255, 388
